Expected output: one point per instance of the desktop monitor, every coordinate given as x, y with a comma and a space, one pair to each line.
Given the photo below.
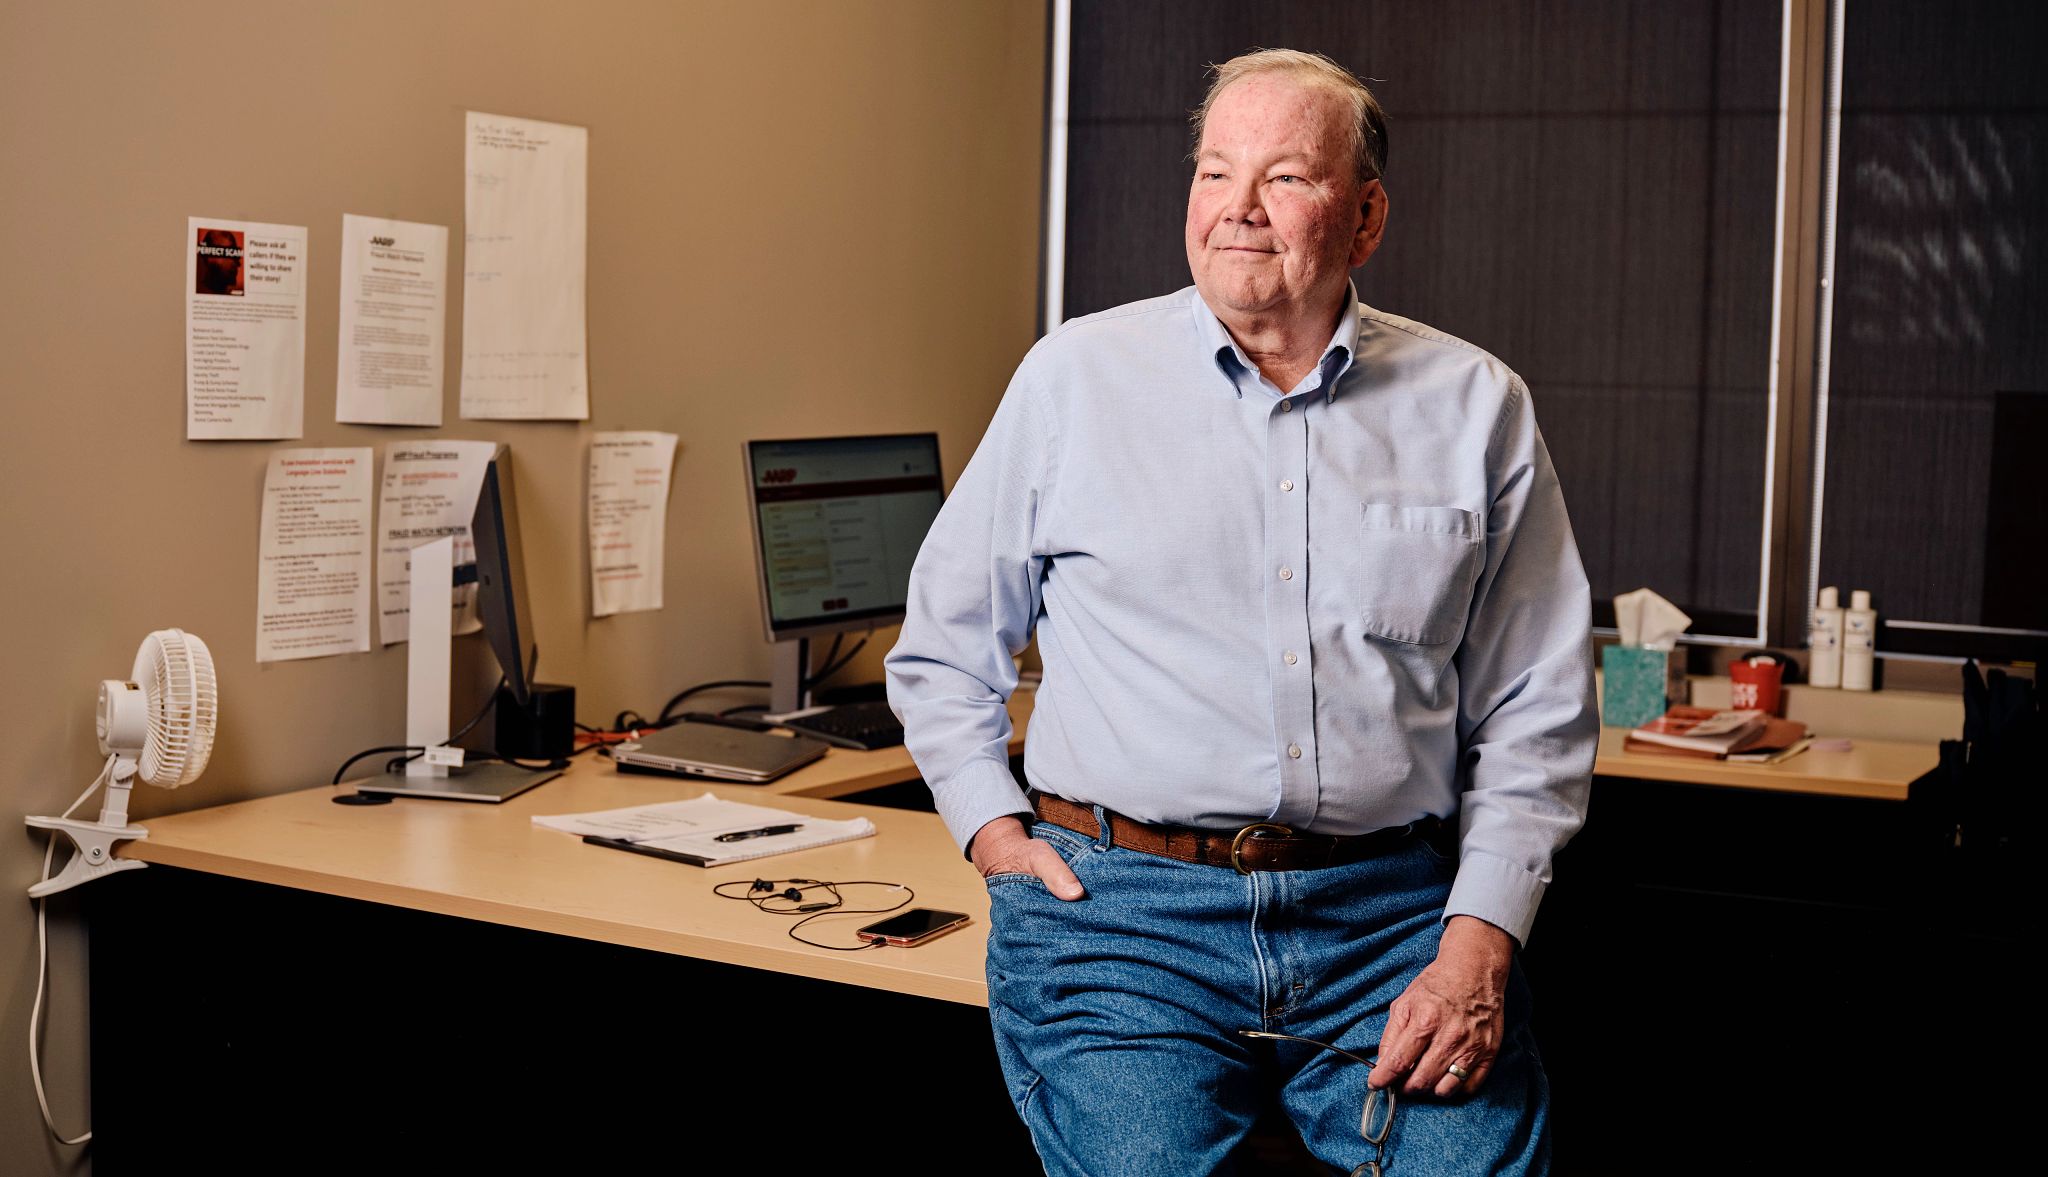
501, 576
837, 522
532, 721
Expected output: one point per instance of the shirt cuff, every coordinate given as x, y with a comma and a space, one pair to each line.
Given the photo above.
982, 791
1498, 891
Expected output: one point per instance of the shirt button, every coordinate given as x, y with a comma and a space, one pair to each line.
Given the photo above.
1287, 484
1286, 406
1287, 574
1294, 751
1288, 658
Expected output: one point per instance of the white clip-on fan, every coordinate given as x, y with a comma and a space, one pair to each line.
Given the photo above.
158, 728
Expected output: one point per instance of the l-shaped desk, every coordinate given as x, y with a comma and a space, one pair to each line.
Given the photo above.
492, 864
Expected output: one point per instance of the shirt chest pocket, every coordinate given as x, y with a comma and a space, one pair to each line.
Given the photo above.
1417, 566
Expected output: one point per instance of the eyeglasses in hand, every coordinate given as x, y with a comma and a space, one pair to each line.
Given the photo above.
1378, 1118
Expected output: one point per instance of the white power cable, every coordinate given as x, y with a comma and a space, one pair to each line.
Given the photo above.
35, 1017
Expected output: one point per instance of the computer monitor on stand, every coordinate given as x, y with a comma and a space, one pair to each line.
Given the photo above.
500, 576
837, 522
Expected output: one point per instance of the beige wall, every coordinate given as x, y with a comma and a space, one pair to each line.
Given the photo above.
805, 217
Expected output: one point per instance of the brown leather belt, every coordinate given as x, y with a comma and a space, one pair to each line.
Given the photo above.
1261, 846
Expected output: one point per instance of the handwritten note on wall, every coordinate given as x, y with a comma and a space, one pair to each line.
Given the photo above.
523, 270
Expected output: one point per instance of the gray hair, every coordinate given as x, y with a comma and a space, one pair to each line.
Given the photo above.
1368, 124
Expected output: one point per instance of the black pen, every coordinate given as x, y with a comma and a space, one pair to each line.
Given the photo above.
764, 831
636, 848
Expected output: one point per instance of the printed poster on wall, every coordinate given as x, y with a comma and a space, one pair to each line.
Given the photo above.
313, 555
629, 477
245, 330
394, 298
430, 490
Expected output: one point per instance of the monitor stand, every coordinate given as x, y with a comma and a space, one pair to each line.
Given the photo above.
786, 693
489, 782
426, 700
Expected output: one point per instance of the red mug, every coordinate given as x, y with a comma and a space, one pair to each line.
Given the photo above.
1756, 684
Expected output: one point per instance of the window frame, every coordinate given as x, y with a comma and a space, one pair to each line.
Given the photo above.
1795, 445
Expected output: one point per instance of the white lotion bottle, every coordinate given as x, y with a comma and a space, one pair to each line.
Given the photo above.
1859, 642
1824, 641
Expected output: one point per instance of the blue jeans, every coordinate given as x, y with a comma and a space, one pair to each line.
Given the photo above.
1117, 1016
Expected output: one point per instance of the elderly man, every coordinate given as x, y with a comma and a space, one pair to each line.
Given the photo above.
1317, 703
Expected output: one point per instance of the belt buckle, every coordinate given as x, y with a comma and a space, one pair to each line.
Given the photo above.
1237, 843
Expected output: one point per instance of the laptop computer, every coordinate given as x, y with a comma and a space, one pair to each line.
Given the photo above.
717, 752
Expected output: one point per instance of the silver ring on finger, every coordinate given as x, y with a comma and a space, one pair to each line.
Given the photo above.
1459, 1073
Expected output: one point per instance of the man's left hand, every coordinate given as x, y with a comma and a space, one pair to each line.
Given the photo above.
1452, 1014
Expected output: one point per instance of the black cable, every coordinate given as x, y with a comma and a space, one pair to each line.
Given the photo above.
368, 752
835, 665
832, 668
490, 703
415, 751
397, 762
805, 679
533, 766
668, 708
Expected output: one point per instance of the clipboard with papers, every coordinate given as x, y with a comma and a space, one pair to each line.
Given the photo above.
706, 830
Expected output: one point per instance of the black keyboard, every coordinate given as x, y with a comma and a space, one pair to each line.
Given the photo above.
866, 726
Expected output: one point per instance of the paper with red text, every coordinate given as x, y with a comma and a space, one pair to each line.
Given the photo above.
629, 481
313, 559
429, 491
245, 330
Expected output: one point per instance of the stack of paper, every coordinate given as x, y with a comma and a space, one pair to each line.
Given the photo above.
691, 830
1760, 753
1697, 731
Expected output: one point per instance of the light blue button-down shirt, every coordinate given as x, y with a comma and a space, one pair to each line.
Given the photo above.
1339, 607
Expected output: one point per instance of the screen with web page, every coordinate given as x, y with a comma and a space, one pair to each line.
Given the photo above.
838, 523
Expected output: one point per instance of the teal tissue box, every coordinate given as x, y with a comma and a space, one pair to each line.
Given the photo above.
1636, 679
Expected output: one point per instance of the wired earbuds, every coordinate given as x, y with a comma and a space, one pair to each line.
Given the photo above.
789, 893
792, 897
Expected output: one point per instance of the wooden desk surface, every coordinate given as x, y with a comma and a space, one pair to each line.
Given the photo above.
491, 863
1878, 769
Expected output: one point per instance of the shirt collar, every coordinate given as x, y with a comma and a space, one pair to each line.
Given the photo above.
1231, 360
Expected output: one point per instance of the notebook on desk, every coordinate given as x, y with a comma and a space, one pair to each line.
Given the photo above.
717, 753
1717, 735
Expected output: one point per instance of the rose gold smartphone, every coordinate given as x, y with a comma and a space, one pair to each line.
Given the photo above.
912, 927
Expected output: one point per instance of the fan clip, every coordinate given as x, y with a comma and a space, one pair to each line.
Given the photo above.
94, 858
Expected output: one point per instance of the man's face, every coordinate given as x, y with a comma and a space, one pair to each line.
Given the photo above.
1276, 216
